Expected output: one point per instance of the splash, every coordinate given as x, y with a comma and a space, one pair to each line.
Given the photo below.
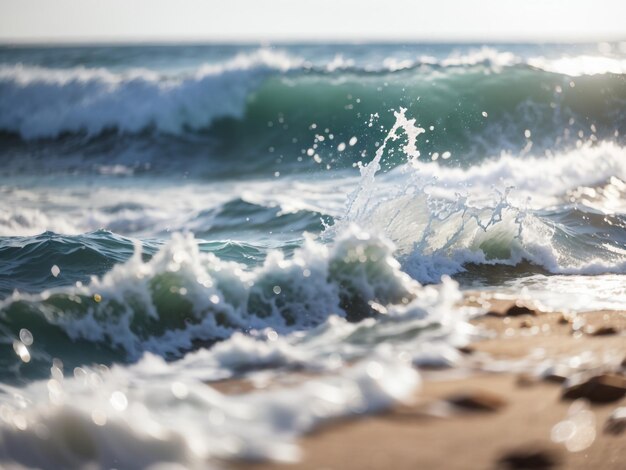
359, 200
443, 219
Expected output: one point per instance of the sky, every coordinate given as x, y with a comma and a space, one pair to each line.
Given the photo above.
310, 20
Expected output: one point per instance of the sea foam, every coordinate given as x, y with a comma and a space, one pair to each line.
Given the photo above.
151, 415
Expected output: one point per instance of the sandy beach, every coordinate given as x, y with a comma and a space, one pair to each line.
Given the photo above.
499, 410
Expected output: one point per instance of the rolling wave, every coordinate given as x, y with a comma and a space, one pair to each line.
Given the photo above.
45, 103
181, 298
266, 92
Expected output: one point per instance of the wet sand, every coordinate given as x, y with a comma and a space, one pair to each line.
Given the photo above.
507, 402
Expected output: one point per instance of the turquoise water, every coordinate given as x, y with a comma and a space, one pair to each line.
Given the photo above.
182, 214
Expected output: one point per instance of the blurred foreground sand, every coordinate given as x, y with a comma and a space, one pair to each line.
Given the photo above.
501, 408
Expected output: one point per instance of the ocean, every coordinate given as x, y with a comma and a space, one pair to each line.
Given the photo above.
177, 215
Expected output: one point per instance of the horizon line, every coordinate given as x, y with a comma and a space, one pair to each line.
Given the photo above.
201, 40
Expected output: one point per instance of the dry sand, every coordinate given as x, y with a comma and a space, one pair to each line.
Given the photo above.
510, 416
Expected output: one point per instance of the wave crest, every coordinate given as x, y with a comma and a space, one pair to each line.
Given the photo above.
43, 103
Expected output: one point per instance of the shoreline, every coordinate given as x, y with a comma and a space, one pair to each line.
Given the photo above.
498, 410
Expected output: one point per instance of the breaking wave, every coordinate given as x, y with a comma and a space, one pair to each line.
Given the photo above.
183, 298
266, 90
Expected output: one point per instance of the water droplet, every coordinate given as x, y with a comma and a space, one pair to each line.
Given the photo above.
578, 431
180, 390
562, 431
55, 392
118, 401
374, 370
22, 351
56, 373
20, 422
26, 337
99, 417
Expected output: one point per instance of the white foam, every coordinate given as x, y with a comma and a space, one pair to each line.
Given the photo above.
563, 171
69, 206
496, 59
24, 221
151, 415
577, 66
484, 55
579, 293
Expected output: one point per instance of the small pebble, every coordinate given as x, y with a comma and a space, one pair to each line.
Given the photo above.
603, 388
555, 378
535, 456
514, 310
601, 331
525, 324
563, 320
519, 309
525, 380
478, 401
616, 423
466, 349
